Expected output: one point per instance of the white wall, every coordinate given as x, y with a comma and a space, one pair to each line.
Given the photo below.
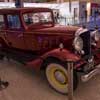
63, 7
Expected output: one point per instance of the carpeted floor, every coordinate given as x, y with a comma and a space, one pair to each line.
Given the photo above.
26, 84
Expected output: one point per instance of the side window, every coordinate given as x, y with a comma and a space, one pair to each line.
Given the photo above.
34, 18
2, 25
13, 21
28, 18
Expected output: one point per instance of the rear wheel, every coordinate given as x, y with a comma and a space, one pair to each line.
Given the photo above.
1, 55
57, 76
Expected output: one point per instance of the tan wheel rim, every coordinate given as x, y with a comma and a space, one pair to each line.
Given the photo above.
57, 77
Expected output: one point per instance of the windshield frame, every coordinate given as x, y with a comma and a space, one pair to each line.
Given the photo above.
39, 25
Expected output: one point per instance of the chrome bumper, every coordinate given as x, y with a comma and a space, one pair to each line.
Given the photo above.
88, 76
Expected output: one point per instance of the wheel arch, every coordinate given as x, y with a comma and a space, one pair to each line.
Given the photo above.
3, 42
51, 59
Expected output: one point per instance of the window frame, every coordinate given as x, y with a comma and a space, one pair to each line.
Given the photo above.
2, 26
45, 24
14, 28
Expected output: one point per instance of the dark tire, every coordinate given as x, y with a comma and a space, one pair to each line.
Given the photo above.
56, 74
1, 49
1, 57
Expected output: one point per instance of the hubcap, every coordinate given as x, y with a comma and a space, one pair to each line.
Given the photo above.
60, 77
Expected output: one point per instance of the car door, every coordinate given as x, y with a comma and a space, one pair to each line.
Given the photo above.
14, 33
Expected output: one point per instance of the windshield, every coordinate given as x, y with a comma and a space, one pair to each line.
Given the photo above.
38, 18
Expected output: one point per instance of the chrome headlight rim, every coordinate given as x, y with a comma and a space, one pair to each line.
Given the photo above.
78, 43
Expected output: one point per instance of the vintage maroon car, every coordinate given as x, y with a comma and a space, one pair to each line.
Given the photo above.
30, 36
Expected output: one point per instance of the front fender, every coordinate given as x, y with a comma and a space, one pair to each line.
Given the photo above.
62, 55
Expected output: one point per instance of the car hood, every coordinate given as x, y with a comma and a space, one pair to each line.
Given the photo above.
56, 35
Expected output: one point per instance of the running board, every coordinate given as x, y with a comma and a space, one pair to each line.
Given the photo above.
20, 56
88, 76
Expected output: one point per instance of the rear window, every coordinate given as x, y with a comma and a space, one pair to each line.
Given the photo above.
2, 21
13, 21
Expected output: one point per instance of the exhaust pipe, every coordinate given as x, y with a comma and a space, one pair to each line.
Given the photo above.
88, 76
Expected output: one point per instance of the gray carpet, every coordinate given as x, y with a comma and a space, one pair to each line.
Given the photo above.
26, 84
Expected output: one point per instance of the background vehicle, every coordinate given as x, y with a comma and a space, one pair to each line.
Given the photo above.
30, 36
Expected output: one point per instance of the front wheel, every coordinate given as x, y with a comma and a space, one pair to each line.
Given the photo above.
57, 77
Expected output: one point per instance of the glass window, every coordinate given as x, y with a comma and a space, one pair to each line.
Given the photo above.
2, 21
13, 21
34, 18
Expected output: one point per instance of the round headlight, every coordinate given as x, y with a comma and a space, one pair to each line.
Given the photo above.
78, 43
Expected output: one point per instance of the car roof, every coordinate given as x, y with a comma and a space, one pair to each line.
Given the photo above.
22, 10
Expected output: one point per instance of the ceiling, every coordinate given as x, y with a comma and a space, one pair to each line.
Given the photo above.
97, 1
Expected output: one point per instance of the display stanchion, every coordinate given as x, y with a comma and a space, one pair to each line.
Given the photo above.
19, 4
70, 79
